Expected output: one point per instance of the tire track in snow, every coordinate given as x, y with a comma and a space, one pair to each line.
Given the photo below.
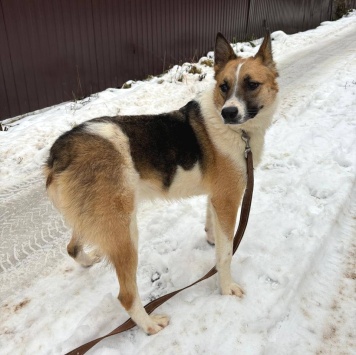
32, 235
29, 223
320, 308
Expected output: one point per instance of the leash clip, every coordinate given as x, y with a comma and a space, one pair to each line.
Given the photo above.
245, 137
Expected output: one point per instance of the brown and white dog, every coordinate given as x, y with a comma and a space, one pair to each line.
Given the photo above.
99, 171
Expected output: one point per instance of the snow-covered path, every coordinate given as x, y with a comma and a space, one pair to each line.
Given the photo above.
296, 262
323, 299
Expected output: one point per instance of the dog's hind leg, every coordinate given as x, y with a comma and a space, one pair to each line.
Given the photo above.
76, 251
123, 254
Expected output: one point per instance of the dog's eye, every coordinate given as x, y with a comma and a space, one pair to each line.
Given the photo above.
224, 87
252, 85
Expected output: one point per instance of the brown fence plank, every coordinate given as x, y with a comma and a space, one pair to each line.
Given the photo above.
12, 16
6, 72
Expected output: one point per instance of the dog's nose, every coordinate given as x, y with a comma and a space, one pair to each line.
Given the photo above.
230, 114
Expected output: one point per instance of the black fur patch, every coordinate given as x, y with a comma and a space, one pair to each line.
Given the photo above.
161, 143
252, 110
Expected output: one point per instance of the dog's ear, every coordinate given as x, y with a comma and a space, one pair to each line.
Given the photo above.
265, 51
223, 52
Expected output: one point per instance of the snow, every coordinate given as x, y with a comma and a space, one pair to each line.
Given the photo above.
296, 262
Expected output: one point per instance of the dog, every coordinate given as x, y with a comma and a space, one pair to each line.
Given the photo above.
97, 173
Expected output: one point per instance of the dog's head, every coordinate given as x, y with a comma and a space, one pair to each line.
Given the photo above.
245, 87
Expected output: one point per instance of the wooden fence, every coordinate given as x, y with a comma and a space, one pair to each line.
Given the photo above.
56, 50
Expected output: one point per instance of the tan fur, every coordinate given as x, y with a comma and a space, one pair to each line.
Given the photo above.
226, 192
98, 190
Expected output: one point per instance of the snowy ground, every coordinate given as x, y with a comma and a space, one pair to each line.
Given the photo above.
296, 262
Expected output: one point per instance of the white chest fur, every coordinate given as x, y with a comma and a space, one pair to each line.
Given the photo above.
186, 183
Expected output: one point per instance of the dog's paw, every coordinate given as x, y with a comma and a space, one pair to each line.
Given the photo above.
159, 321
233, 289
210, 236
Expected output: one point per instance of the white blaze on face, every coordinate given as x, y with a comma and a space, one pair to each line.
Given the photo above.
234, 100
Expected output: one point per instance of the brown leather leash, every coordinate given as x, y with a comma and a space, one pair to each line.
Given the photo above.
244, 214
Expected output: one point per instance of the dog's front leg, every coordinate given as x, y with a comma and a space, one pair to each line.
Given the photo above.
224, 211
209, 224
